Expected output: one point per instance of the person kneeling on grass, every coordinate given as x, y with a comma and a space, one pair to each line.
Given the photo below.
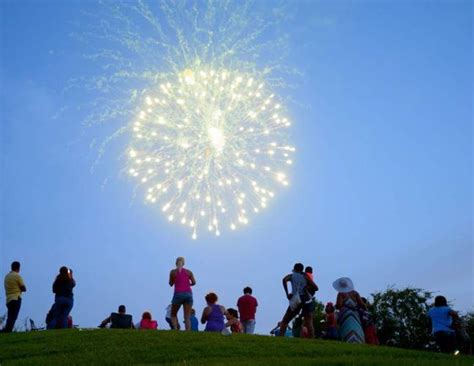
276, 331
120, 320
213, 314
147, 322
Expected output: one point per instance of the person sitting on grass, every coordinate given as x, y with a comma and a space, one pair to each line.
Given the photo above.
213, 314
276, 331
147, 322
168, 317
120, 320
233, 321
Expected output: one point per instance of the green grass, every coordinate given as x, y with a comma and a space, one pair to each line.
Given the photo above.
99, 347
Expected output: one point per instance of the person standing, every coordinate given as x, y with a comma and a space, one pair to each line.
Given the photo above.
182, 279
441, 318
349, 304
63, 299
247, 305
331, 321
14, 287
194, 321
300, 299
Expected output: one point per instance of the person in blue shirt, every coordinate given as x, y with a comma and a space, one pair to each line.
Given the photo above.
194, 321
441, 318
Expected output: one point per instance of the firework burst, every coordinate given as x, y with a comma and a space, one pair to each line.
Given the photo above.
186, 81
210, 146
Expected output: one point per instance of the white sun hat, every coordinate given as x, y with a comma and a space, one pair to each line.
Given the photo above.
343, 284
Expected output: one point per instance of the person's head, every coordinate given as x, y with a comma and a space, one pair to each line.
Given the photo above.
64, 274
440, 301
247, 291
122, 309
211, 298
329, 308
16, 266
308, 269
298, 267
180, 262
232, 313
193, 312
146, 315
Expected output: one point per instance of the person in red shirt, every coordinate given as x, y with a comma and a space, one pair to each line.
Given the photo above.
247, 305
147, 322
331, 322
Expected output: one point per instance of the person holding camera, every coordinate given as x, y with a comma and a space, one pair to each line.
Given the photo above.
64, 298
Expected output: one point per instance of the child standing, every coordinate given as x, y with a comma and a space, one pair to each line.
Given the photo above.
331, 322
194, 321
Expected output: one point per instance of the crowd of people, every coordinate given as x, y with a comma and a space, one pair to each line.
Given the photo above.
347, 320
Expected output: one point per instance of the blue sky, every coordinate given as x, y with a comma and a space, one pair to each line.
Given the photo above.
381, 187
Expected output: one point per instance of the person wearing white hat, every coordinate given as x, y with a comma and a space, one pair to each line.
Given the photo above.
348, 303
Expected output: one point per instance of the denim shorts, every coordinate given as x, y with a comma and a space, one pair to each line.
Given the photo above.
181, 298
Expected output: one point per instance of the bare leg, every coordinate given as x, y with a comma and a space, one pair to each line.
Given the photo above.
174, 314
282, 331
187, 315
308, 322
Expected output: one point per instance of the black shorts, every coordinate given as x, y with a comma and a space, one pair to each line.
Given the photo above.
305, 308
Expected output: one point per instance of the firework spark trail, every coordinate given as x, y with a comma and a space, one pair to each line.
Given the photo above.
187, 80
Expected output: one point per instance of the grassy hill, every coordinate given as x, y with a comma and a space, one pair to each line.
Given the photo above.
89, 347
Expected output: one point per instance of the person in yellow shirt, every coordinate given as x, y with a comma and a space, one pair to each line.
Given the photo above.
14, 287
